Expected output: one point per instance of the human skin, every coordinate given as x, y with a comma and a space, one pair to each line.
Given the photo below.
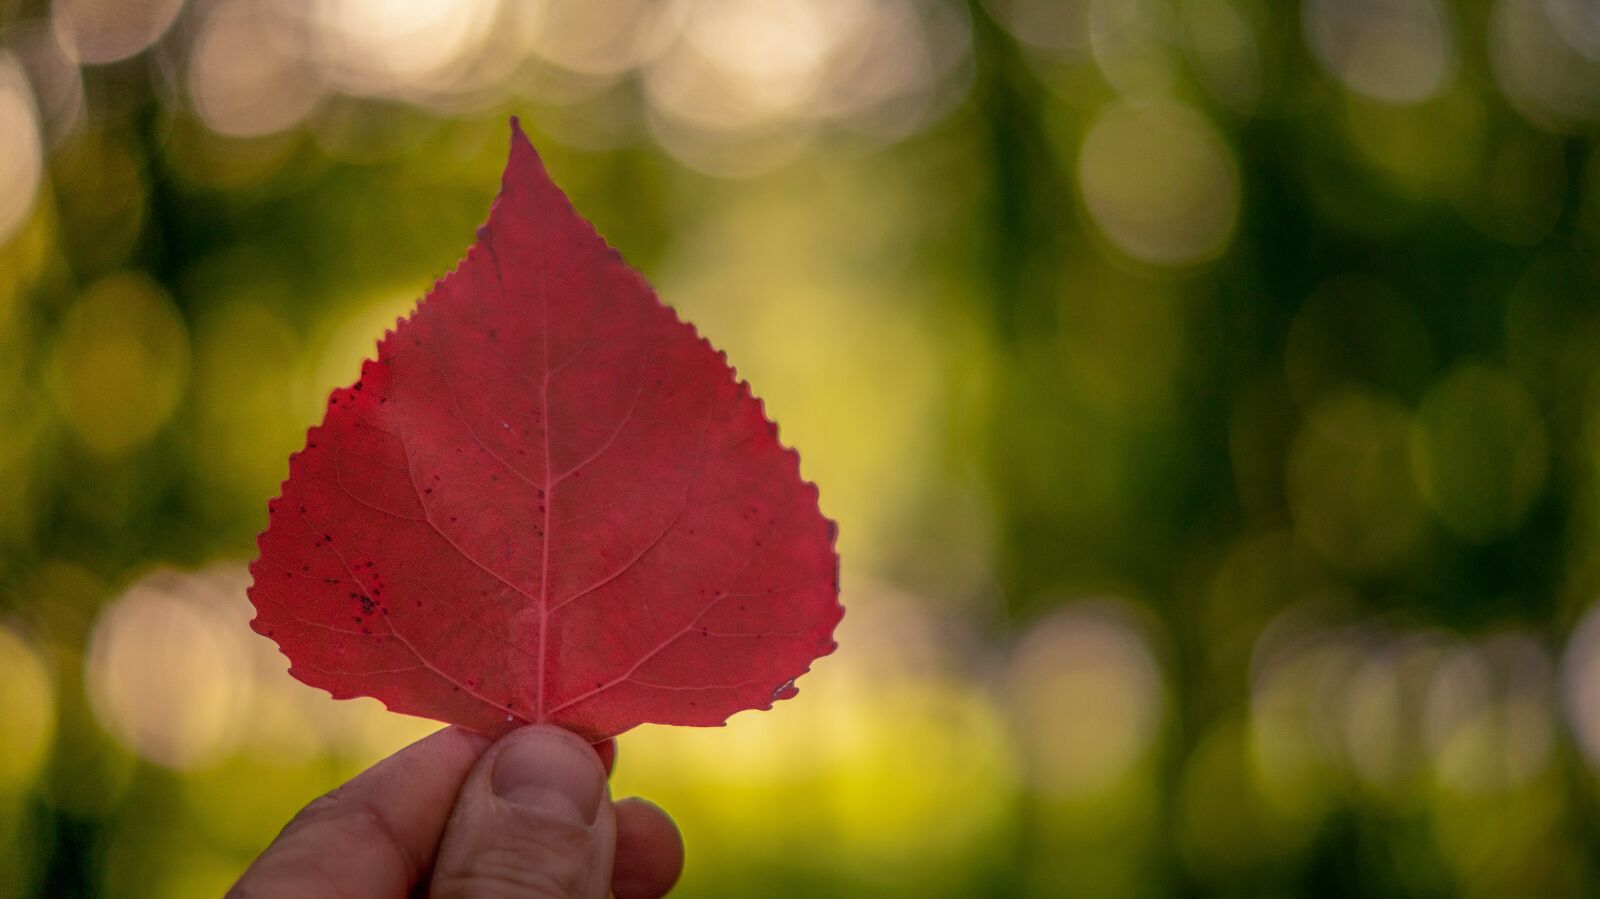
454, 815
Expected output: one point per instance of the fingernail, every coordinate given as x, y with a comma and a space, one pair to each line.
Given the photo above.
544, 768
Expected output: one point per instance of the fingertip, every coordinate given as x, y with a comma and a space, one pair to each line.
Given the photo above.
607, 750
533, 819
386, 821
469, 739
535, 764
649, 856
449, 749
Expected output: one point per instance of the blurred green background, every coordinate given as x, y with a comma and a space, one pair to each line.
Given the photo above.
1206, 389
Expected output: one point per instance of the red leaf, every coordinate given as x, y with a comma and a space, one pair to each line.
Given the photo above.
547, 500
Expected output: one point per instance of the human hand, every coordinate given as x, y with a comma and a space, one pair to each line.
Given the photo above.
453, 815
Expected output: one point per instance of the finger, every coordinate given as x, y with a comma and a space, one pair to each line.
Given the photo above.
607, 750
534, 819
649, 851
374, 836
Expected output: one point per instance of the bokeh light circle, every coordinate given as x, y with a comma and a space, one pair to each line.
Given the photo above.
245, 77
27, 710
743, 65
406, 50
744, 85
1578, 22
1401, 51
102, 31
1350, 489
1158, 181
1580, 684
120, 363
1226, 52
1490, 715
602, 38
1479, 451
1382, 701
169, 671
57, 80
1058, 27
21, 153
1536, 67
1087, 697
1297, 732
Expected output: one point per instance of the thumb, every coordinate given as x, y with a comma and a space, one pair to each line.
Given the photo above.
534, 818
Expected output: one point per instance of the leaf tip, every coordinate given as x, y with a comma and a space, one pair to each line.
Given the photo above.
520, 144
